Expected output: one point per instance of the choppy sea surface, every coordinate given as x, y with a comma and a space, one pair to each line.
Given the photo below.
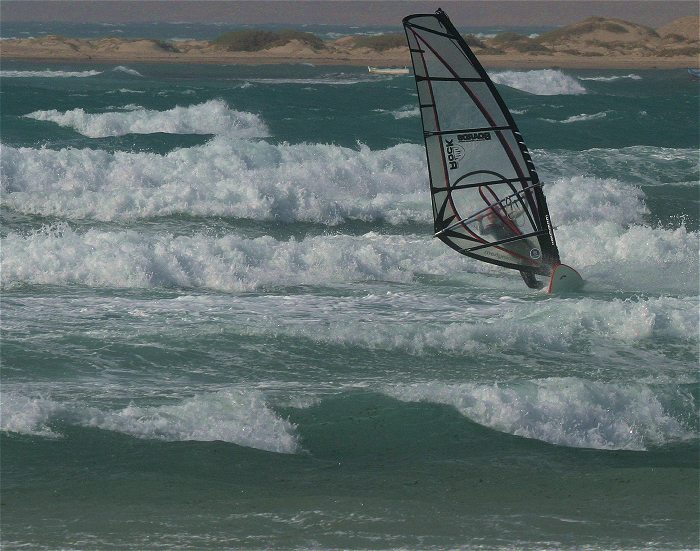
177, 31
225, 324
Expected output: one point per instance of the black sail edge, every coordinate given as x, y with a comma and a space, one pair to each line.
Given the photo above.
447, 72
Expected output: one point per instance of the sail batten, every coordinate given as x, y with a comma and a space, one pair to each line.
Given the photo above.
508, 240
491, 182
475, 215
483, 182
449, 79
465, 130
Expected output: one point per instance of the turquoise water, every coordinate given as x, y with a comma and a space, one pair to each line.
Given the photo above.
225, 323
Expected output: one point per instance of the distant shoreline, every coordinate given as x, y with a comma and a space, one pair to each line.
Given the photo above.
595, 43
498, 62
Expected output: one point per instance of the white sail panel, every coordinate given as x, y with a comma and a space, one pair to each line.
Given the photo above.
455, 114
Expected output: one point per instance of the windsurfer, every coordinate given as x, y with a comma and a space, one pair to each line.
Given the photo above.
511, 228
500, 224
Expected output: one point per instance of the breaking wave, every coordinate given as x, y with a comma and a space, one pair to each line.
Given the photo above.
566, 411
48, 73
127, 70
580, 118
317, 183
610, 256
211, 117
95, 258
611, 78
24, 415
255, 180
595, 201
235, 416
543, 82
405, 112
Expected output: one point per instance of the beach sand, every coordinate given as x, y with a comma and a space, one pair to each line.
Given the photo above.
593, 43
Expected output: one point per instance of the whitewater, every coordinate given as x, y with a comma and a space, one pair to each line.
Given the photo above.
223, 308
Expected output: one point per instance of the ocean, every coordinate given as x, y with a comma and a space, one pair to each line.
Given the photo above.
184, 30
226, 324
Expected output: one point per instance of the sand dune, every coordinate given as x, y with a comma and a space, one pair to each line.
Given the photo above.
595, 42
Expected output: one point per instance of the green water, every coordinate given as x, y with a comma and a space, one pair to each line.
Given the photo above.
227, 326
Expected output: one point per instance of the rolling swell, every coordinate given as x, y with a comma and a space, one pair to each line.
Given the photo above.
569, 412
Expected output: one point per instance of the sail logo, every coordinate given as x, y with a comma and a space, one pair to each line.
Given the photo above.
454, 153
474, 137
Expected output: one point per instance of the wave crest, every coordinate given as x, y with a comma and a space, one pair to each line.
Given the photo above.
48, 73
612, 78
236, 416
61, 256
566, 411
541, 82
254, 180
583, 117
210, 117
636, 258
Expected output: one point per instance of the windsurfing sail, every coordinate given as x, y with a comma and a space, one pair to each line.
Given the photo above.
487, 199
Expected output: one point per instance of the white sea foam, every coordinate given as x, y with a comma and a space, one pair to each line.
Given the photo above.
612, 78
211, 117
237, 416
338, 79
402, 322
127, 70
580, 118
255, 180
308, 182
484, 35
25, 415
636, 258
62, 256
600, 222
601, 230
127, 107
405, 112
542, 82
565, 411
594, 200
47, 73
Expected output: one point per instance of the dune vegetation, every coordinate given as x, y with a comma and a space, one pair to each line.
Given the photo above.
380, 42
255, 40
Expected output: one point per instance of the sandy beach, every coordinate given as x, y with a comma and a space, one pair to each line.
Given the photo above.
592, 43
